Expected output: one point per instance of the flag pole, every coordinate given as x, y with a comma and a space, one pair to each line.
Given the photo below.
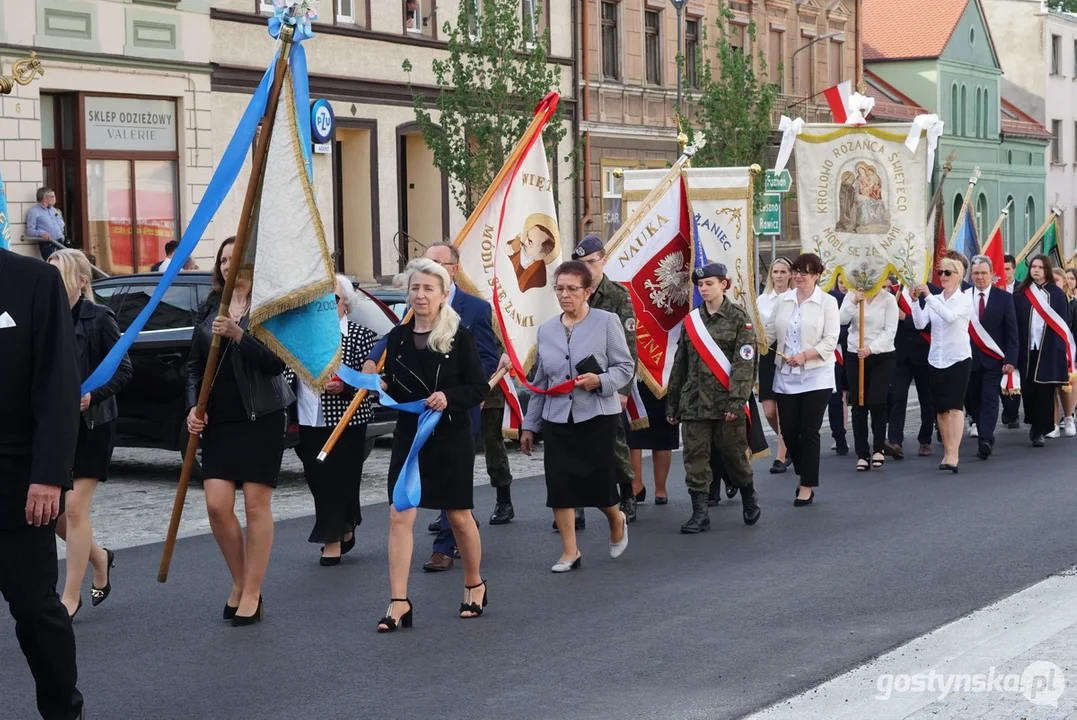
937, 197
1037, 237
242, 232
542, 114
998, 223
653, 196
965, 205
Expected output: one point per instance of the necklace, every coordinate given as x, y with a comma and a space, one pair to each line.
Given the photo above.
244, 307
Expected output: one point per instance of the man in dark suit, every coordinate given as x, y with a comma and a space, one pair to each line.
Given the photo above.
993, 310
1011, 404
476, 315
38, 431
911, 347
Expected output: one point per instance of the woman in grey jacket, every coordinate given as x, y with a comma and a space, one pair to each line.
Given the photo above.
579, 427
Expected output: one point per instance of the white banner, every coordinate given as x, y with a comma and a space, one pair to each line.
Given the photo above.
516, 240
862, 201
720, 200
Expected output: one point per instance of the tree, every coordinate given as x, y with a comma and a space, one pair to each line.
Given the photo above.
1063, 5
494, 76
731, 105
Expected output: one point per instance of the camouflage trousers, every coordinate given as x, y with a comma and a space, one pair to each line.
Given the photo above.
728, 439
497, 460
622, 468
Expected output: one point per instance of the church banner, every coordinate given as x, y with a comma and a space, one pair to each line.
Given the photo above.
720, 200
862, 203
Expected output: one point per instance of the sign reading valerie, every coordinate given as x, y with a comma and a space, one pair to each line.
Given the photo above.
130, 124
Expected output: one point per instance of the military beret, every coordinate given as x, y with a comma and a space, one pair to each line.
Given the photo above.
710, 270
590, 244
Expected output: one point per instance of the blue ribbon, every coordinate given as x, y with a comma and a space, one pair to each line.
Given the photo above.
5, 221
408, 490
283, 16
223, 178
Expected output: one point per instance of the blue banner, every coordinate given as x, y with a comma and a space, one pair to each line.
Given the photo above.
223, 178
965, 241
699, 259
408, 490
5, 221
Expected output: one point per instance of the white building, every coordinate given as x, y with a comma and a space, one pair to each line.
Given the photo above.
1038, 52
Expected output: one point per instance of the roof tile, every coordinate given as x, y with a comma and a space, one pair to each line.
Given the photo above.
909, 29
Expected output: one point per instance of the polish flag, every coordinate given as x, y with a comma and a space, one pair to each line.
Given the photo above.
837, 98
512, 418
637, 414
993, 250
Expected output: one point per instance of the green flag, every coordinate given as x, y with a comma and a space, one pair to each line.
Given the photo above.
1049, 247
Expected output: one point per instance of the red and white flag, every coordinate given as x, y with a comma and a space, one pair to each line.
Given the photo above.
637, 414
513, 417
652, 257
837, 98
711, 353
994, 251
1011, 384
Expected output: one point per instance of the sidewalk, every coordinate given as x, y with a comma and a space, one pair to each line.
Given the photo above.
1014, 659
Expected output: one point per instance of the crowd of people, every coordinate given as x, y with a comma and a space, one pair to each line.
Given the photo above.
966, 346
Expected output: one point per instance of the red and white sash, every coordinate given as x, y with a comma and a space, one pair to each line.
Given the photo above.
1011, 384
637, 414
512, 417
1057, 324
839, 356
982, 338
712, 355
904, 301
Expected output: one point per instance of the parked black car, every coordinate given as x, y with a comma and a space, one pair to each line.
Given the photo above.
153, 407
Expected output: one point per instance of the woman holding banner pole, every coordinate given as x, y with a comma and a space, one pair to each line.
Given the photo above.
1042, 336
874, 339
432, 357
804, 331
242, 433
778, 282
950, 356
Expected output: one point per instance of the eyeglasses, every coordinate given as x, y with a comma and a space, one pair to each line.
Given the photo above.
446, 264
947, 273
337, 297
566, 289
802, 273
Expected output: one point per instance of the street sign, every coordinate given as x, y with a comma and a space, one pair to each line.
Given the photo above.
769, 219
775, 182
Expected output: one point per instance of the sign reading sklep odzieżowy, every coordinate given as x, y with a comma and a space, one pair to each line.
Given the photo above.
132, 124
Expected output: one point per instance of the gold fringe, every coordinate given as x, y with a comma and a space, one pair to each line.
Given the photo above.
510, 434
640, 424
1011, 391
866, 129
760, 454
653, 385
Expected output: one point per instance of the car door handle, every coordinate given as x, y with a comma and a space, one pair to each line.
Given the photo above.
169, 358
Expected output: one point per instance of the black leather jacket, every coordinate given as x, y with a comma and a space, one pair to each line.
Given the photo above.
96, 332
259, 373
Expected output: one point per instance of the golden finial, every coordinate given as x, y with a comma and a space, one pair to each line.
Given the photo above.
22, 73
618, 172
754, 169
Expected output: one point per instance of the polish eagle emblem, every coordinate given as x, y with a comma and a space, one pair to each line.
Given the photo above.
670, 286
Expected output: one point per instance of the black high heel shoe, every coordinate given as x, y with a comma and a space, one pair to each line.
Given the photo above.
391, 623
244, 620
641, 496
472, 607
99, 595
948, 466
229, 612
797, 502
347, 545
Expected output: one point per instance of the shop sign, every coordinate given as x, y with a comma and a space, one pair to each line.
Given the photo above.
130, 124
322, 121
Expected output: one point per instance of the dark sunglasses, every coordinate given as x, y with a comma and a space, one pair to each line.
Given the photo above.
337, 297
947, 273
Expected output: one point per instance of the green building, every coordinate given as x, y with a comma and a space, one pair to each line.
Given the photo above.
949, 67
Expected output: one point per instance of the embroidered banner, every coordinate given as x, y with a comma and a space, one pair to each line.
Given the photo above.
862, 201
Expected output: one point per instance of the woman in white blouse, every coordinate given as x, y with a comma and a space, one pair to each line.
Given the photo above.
950, 356
804, 331
875, 344
778, 281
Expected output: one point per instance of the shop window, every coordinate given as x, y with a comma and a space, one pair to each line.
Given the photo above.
612, 215
131, 206
419, 17
611, 55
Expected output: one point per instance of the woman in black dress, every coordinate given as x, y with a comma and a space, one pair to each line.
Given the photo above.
433, 358
242, 437
95, 334
660, 438
334, 483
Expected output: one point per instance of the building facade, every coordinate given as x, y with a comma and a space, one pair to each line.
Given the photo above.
119, 125
628, 77
381, 197
952, 69
1039, 59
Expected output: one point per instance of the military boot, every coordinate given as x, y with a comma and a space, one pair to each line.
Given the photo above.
700, 520
628, 502
749, 499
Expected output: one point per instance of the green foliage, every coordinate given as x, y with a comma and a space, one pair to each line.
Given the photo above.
1064, 5
732, 104
494, 76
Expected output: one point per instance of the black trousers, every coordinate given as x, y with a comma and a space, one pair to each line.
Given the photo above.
1039, 399
28, 576
982, 401
1011, 408
905, 374
801, 416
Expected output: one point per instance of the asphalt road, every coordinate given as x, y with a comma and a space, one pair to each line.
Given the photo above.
708, 626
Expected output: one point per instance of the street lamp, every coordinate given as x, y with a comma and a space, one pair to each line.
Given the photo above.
793, 59
679, 6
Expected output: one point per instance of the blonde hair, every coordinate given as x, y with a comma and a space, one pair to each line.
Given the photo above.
448, 322
954, 265
74, 267
770, 273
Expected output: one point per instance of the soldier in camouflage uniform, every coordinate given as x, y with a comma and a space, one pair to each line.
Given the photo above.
613, 297
497, 460
712, 417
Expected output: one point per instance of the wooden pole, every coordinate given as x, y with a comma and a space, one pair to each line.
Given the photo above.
242, 232
860, 360
536, 123
1036, 238
964, 206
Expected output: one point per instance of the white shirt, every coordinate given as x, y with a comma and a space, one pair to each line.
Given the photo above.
949, 319
1037, 325
309, 403
880, 321
765, 303
1010, 287
796, 380
164, 264
974, 294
